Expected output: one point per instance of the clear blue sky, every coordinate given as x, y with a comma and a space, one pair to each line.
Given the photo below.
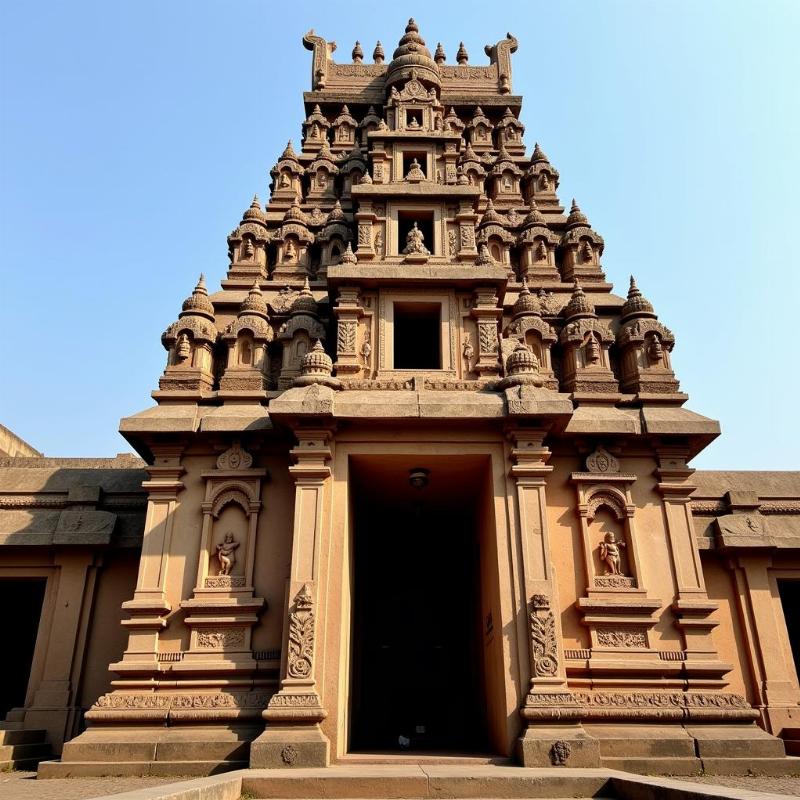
134, 134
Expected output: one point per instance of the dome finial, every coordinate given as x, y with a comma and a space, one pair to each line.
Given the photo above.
462, 56
439, 56
358, 53
637, 305
377, 54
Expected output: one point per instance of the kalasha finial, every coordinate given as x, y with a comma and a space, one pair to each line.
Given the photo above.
576, 216
201, 284
633, 291
538, 154
377, 54
439, 56
462, 56
358, 53
412, 26
255, 203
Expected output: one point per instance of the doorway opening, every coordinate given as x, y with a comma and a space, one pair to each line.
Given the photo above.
25, 597
424, 658
789, 591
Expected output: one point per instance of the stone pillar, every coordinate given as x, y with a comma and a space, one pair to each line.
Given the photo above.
692, 608
149, 607
293, 737
553, 734
775, 695
347, 311
54, 707
486, 313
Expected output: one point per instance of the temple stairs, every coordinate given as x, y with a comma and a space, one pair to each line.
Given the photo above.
23, 749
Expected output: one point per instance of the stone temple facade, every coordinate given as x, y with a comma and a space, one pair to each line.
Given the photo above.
416, 481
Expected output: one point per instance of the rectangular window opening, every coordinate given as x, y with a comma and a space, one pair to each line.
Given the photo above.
408, 160
417, 336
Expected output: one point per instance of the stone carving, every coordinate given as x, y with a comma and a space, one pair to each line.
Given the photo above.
221, 639
223, 581
289, 754
468, 351
366, 348
451, 243
602, 461
543, 637
234, 458
183, 348
154, 700
467, 237
487, 335
288, 700
226, 554
364, 235
378, 243
559, 753
415, 243
346, 337
301, 635
610, 554
627, 637
614, 582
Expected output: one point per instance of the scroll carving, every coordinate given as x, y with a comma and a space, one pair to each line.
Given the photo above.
235, 457
543, 637
301, 635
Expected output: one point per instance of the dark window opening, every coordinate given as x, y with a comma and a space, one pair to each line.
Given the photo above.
405, 222
408, 160
413, 118
417, 336
21, 627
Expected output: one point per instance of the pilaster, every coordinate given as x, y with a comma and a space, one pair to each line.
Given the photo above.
293, 736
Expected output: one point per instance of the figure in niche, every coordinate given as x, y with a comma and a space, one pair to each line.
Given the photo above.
654, 350
226, 554
283, 182
437, 123
415, 242
587, 253
611, 555
322, 179
248, 251
413, 123
246, 353
378, 243
291, 251
468, 352
184, 349
541, 250
415, 172
544, 181
315, 131
506, 184
366, 349
592, 349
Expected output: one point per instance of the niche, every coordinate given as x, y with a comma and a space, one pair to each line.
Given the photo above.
408, 160
417, 336
405, 222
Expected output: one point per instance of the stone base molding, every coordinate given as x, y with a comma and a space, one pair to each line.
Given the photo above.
287, 746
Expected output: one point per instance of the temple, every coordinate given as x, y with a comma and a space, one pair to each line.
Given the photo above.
416, 480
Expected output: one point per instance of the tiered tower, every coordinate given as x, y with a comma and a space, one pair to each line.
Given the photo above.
414, 289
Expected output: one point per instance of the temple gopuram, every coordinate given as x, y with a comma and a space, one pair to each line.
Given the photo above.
416, 482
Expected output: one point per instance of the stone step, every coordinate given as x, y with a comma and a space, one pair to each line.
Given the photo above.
125, 769
391, 781
651, 765
17, 736
751, 766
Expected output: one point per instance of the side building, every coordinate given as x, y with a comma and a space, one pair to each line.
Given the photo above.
416, 479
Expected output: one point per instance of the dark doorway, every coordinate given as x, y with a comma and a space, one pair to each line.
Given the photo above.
417, 678
417, 336
790, 600
24, 599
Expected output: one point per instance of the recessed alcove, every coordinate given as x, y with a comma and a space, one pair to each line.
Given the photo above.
417, 336
405, 222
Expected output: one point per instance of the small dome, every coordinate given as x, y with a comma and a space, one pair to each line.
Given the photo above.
304, 303
198, 303
576, 216
534, 216
294, 213
522, 361
490, 216
316, 361
526, 302
578, 305
255, 211
538, 155
637, 305
349, 257
412, 54
336, 214
288, 153
254, 302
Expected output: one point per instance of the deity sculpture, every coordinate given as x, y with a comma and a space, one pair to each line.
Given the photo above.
610, 554
468, 351
587, 253
437, 123
415, 242
226, 554
541, 250
413, 123
322, 179
592, 349
290, 254
184, 348
544, 181
654, 350
283, 182
248, 251
378, 242
366, 349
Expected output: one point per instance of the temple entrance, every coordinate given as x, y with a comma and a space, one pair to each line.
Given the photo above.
790, 600
23, 599
418, 677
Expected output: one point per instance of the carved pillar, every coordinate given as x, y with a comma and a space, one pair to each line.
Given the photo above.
365, 216
486, 313
348, 311
466, 219
550, 709
692, 607
149, 607
293, 736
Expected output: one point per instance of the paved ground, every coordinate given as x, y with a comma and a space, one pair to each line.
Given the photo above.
789, 786
24, 786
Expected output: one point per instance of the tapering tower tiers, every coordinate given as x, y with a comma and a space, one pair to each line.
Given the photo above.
413, 339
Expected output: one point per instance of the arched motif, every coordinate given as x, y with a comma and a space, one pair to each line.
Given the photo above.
231, 493
609, 497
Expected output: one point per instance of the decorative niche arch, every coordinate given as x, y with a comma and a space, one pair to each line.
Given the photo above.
221, 630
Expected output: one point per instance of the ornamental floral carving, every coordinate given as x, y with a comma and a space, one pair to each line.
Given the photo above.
626, 637
301, 635
543, 637
235, 457
221, 639
602, 461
